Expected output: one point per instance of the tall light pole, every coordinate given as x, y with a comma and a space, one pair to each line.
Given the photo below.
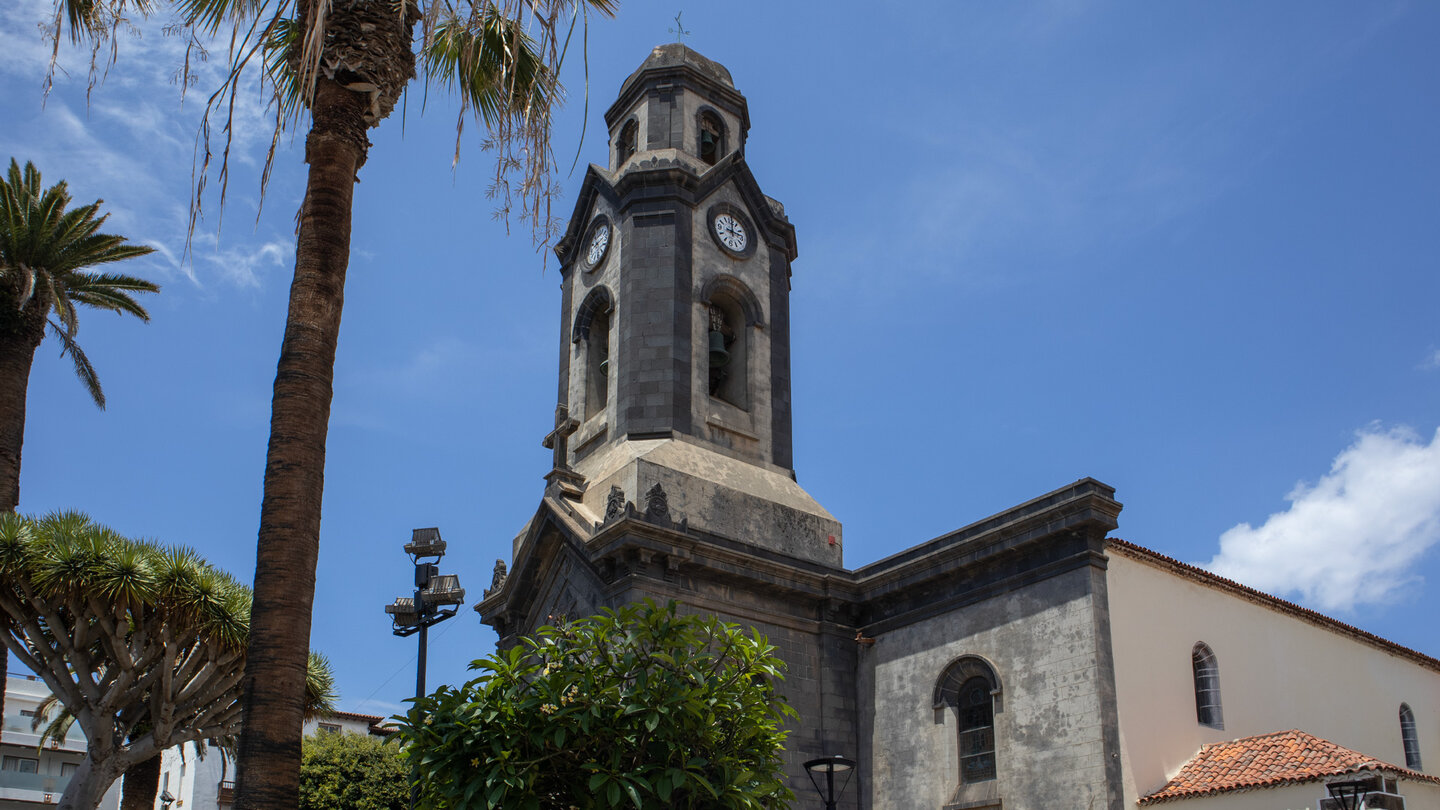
437, 597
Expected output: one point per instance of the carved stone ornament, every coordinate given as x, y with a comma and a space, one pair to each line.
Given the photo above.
614, 503
498, 579
657, 505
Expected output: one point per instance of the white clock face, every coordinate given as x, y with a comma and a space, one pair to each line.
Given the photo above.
730, 232
598, 243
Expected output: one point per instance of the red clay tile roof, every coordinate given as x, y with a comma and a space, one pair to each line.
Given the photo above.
1269, 760
1247, 593
372, 719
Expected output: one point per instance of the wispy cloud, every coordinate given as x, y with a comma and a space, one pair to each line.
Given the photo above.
133, 142
244, 265
1353, 537
1432, 361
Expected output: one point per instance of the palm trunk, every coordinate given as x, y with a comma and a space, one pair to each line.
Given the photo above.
289, 542
140, 785
20, 335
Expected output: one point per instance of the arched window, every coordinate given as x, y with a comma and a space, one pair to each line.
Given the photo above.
597, 364
732, 315
712, 137
727, 351
625, 146
592, 329
1409, 738
1207, 686
970, 687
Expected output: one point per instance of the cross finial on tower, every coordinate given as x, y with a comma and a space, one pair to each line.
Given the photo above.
679, 29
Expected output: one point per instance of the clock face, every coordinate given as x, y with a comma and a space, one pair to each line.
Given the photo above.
599, 242
730, 232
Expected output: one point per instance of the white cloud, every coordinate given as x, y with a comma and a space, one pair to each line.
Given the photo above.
1354, 537
245, 265
1431, 362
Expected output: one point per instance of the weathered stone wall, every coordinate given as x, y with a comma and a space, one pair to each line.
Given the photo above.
1043, 642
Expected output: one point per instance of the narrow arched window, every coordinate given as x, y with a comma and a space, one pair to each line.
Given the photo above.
1207, 686
625, 147
728, 352
592, 340
977, 731
597, 364
970, 687
712, 138
1409, 738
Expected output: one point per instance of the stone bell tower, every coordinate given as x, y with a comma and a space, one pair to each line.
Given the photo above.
675, 344
672, 475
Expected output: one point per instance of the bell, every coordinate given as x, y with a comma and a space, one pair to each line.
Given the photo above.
605, 366
718, 355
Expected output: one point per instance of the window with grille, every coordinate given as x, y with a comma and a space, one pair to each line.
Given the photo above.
1207, 686
977, 731
1409, 738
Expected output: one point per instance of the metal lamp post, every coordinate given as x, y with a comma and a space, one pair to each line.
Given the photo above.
1349, 795
829, 767
437, 597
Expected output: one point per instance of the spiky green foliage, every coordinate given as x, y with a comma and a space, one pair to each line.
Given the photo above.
46, 247
143, 645
641, 707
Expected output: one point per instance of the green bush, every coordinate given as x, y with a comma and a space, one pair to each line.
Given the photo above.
352, 772
640, 707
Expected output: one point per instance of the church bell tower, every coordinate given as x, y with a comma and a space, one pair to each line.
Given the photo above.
675, 346
672, 475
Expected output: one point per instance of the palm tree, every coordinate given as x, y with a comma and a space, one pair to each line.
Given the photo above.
44, 252
346, 63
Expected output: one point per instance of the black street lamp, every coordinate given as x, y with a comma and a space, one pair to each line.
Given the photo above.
437, 597
829, 766
1349, 795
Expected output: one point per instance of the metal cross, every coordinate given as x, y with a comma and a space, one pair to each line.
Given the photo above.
679, 29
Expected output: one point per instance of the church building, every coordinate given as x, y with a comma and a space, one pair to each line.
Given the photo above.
1028, 661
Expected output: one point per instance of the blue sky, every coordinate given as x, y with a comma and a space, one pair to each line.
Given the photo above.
1188, 249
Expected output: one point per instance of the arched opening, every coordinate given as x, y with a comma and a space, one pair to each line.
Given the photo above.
728, 350
625, 146
1409, 738
597, 365
969, 686
592, 337
712, 137
1206, 669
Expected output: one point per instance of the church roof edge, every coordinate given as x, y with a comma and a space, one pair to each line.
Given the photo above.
1203, 577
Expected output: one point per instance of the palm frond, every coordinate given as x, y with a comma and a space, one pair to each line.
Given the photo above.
320, 692
492, 63
280, 44
210, 15
83, 369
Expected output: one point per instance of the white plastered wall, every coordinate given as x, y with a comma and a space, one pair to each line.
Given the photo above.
1277, 672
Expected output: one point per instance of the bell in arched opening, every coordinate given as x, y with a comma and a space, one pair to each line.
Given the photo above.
719, 355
